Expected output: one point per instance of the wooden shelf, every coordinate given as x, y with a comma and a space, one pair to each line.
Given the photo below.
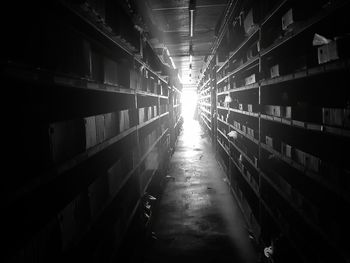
245, 135
308, 125
175, 89
141, 125
306, 219
203, 91
61, 79
204, 84
80, 158
122, 184
312, 21
206, 117
223, 134
204, 103
253, 34
247, 87
178, 121
245, 178
318, 70
109, 37
145, 93
204, 97
252, 114
245, 156
276, 9
222, 107
331, 187
205, 110
224, 122
223, 147
205, 122
244, 65
260, 90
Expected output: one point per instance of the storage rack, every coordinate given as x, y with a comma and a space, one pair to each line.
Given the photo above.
282, 137
95, 115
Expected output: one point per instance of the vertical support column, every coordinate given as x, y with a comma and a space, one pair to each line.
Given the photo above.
213, 106
171, 117
259, 127
138, 155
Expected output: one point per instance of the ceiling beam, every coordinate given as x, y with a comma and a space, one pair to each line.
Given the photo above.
186, 7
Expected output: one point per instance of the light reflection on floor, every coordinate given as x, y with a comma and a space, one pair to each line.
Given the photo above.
191, 127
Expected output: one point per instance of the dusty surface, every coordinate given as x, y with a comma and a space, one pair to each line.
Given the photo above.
198, 220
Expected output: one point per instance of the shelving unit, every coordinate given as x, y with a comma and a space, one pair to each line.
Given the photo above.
94, 115
280, 122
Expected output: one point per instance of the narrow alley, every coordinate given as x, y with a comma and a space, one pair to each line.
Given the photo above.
198, 221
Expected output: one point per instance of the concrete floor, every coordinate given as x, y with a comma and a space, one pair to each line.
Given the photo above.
198, 219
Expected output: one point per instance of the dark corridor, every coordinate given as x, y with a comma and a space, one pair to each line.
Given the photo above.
175, 131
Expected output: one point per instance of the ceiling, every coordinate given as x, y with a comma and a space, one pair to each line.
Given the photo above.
168, 22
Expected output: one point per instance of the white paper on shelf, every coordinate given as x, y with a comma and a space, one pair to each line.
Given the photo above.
320, 40
232, 134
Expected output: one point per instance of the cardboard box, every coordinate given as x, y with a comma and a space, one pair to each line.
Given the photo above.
100, 128
123, 120
338, 48
249, 22
250, 79
276, 111
286, 150
150, 115
327, 52
288, 112
90, 131
111, 125
274, 71
269, 141
240, 106
244, 128
250, 132
135, 82
250, 108
269, 109
141, 115
287, 19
